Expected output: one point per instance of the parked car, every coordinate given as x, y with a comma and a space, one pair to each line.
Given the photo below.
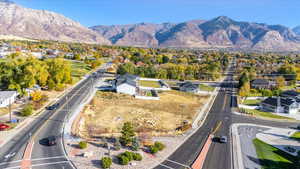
3, 127
223, 139
51, 140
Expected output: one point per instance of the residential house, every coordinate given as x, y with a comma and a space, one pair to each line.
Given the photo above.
189, 87
280, 105
262, 84
7, 98
290, 94
126, 84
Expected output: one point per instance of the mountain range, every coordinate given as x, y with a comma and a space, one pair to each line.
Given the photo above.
40, 24
220, 32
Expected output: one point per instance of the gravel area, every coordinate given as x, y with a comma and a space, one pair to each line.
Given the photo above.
93, 162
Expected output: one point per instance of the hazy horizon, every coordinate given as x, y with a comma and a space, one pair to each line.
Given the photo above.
116, 12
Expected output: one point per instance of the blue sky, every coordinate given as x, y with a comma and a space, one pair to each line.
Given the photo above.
107, 12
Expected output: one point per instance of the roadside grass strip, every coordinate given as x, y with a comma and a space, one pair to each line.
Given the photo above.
273, 158
296, 136
147, 83
206, 88
251, 102
265, 114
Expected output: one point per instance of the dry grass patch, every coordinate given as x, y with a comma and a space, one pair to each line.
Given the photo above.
109, 111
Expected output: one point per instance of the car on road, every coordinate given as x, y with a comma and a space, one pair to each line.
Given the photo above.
53, 107
223, 139
50, 141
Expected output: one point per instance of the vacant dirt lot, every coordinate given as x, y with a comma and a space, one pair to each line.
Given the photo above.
108, 111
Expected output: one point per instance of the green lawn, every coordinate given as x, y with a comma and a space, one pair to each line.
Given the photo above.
79, 69
296, 136
207, 88
146, 83
251, 102
2, 60
265, 114
273, 158
288, 87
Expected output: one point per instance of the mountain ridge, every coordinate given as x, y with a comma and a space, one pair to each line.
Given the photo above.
220, 32
41, 24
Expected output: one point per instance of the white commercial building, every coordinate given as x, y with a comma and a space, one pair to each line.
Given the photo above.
7, 98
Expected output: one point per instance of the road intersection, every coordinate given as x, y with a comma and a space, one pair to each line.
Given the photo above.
51, 124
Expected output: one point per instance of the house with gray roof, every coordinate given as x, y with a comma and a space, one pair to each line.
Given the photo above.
126, 84
280, 105
262, 84
7, 98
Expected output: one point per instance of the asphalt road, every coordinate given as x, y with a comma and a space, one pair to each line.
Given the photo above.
219, 155
50, 123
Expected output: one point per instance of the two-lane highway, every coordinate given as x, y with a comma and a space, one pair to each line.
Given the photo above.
219, 155
49, 123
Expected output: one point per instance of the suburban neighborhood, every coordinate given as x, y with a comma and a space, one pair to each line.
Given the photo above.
131, 85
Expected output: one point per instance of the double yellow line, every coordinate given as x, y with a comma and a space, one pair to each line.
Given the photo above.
57, 110
218, 126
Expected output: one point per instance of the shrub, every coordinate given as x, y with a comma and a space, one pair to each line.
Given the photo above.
27, 110
83, 145
160, 146
106, 162
153, 149
129, 155
123, 160
137, 157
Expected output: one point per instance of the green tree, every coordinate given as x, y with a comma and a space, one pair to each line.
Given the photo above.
127, 134
288, 72
27, 110
245, 90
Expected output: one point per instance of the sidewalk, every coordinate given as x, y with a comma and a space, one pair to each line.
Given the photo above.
277, 137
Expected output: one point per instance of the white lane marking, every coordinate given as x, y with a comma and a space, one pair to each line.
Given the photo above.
42, 164
36, 159
178, 163
12, 167
48, 158
166, 166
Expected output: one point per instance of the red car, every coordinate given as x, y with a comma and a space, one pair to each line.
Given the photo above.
3, 127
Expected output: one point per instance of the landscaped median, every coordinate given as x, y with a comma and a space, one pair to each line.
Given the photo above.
273, 158
262, 114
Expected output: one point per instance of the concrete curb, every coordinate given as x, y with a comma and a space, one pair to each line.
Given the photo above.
236, 146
